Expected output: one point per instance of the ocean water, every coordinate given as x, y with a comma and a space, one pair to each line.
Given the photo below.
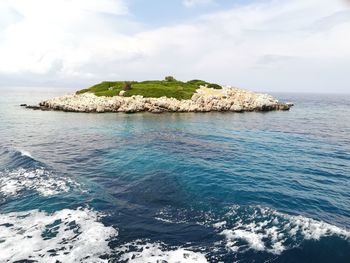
175, 187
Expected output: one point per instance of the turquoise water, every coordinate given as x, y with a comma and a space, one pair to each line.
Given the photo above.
216, 187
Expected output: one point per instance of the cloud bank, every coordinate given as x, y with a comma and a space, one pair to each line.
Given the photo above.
276, 45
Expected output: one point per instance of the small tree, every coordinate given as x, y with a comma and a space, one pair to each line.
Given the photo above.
214, 86
127, 85
170, 78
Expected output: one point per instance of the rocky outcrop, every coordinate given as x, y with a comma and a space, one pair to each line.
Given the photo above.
204, 100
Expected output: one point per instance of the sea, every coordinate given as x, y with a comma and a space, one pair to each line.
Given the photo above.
175, 187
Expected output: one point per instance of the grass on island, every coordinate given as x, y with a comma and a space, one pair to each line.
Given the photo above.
169, 87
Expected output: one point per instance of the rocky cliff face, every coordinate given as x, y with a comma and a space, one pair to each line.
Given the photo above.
204, 100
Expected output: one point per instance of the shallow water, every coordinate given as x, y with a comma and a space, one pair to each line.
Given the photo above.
216, 187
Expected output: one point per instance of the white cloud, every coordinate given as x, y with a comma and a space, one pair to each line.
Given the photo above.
192, 3
48, 33
276, 45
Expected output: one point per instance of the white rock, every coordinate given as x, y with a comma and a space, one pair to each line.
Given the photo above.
205, 99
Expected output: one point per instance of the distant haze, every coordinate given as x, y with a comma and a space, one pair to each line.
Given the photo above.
272, 45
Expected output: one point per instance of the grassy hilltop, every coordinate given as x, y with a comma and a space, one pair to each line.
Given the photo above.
169, 87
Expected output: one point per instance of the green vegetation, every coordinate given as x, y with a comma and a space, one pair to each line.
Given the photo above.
170, 87
170, 78
127, 85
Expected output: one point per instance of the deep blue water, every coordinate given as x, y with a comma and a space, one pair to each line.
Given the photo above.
192, 187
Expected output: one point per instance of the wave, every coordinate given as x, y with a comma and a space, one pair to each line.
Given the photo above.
25, 153
40, 180
23, 174
13, 159
265, 229
257, 228
77, 236
64, 236
142, 251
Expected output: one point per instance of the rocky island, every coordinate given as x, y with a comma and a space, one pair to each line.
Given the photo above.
167, 95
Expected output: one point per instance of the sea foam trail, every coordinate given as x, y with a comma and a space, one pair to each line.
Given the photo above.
24, 174
140, 251
64, 236
264, 229
257, 228
42, 181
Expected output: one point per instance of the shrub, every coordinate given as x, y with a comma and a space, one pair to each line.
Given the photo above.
214, 86
170, 78
127, 85
82, 91
197, 82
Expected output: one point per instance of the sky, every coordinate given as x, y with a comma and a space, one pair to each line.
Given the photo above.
262, 45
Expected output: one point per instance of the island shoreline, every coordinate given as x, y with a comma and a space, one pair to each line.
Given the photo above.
227, 99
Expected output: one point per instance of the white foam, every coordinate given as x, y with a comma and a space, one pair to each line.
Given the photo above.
219, 224
253, 239
25, 153
164, 220
39, 180
167, 215
256, 228
268, 230
65, 236
139, 252
313, 229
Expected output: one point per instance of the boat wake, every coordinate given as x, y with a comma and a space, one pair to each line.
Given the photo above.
64, 236
26, 175
265, 229
255, 228
13, 183
141, 251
